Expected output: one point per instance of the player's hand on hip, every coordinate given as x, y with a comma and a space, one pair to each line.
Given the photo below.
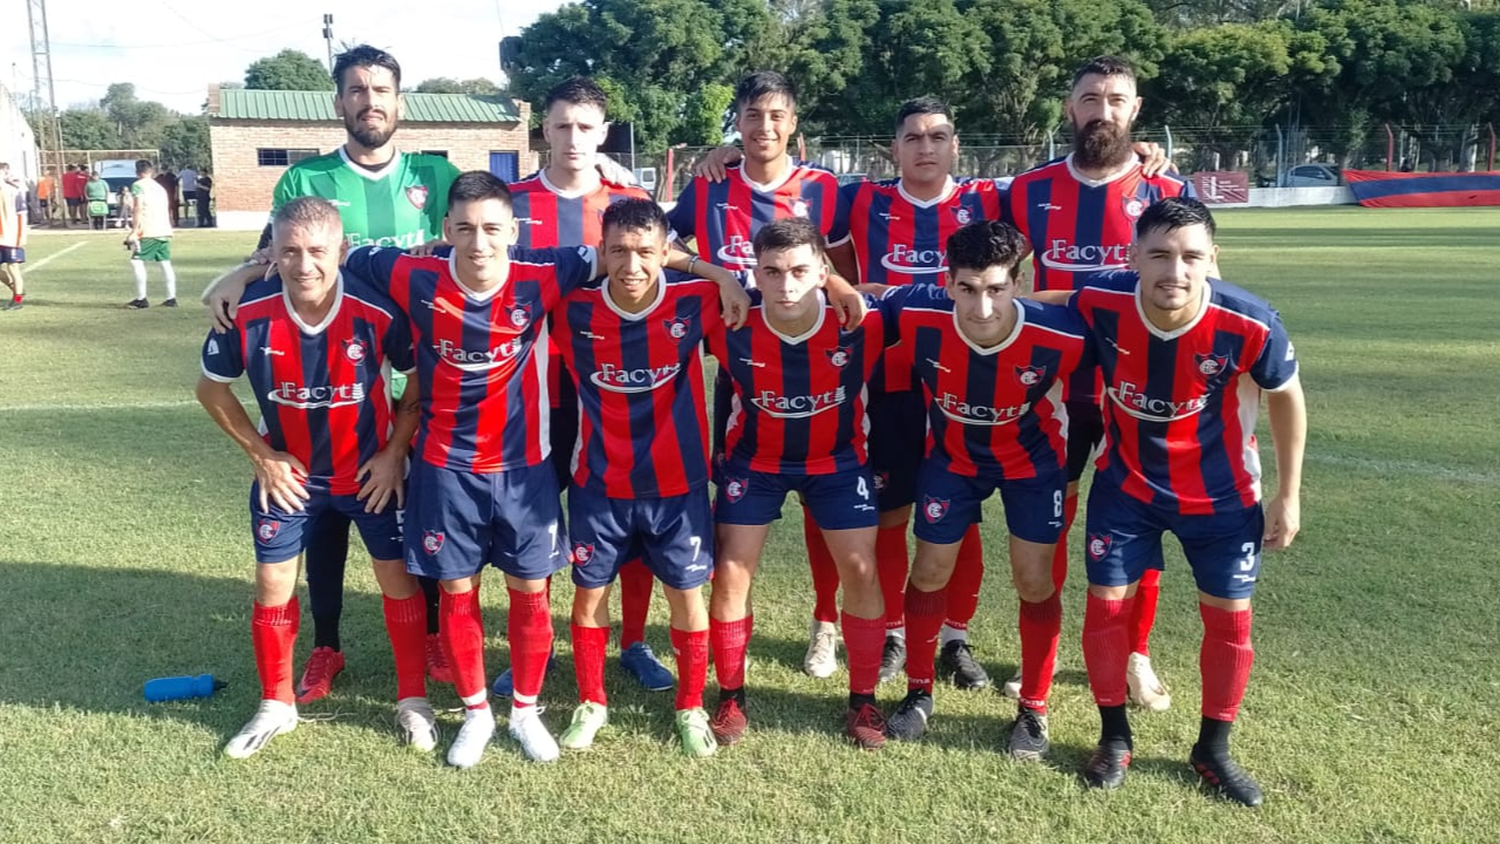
714, 166
382, 478
282, 480
1283, 520
1154, 161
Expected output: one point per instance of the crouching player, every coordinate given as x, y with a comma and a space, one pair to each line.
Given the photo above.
1185, 358
639, 487
797, 423
312, 343
992, 366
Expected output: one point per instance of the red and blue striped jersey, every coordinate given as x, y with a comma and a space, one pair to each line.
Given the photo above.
1180, 407
643, 427
723, 217
1077, 226
898, 239
483, 391
321, 390
547, 218
995, 410
798, 403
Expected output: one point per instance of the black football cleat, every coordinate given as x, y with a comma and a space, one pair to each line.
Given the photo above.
957, 662
1107, 766
1225, 777
909, 721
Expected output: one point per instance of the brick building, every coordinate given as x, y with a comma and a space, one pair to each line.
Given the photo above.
255, 135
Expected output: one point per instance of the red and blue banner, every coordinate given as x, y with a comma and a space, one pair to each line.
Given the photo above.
1379, 189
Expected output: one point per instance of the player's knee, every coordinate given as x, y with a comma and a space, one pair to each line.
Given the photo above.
1111, 593
275, 583
394, 580
1033, 585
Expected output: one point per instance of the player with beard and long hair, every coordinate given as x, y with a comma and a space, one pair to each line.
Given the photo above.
1079, 213
385, 197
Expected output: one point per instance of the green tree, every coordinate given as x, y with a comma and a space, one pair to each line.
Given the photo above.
88, 129
185, 143
706, 114
479, 86
288, 70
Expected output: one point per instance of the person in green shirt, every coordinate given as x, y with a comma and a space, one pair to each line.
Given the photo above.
96, 193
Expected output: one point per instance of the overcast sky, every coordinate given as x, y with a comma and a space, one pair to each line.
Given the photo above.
173, 49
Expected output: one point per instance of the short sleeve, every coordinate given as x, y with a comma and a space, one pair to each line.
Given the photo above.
284, 192
1277, 364
575, 267
376, 266
681, 218
890, 305
838, 233
1188, 190
136, 189
223, 356
397, 344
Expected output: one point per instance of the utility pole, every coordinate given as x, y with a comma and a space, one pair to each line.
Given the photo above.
41, 74
328, 39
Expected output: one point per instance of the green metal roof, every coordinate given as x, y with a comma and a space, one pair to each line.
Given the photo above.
317, 106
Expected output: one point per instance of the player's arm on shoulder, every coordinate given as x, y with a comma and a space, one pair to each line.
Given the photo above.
714, 165
376, 265
222, 295
1051, 297
281, 475
847, 302
734, 302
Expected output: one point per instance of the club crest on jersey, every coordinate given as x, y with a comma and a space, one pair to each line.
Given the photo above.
1030, 376
582, 553
354, 350
839, 356
266, 530
735, 488
962, 215
1133, 207
520, 316
417, 196
1099, 546
799, 208
934, 509
1212, 366
677, 328
432, 541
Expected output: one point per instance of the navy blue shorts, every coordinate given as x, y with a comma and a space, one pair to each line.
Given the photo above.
1124, 539
838, 501
281, 535
12, 255
1085, 433
947, 504
898, 435
459, 522
674, 535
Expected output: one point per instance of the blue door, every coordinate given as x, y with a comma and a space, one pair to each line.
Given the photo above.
505, 165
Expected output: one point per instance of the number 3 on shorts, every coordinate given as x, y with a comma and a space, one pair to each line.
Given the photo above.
1247, 562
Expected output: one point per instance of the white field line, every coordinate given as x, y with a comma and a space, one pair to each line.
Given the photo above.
31, 267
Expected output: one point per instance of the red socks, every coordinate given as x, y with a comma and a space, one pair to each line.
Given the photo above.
963, 586
825, 575
1224, 661
894, 567
924, 618
588, 663
1040, 624
1060, 553
273, 633
462, 631
729, 640
864, 639
530, 633
406, 625
691, 648
1106, 648
1143, 617
636, 581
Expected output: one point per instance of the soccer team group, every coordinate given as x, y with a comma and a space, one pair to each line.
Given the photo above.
877, 354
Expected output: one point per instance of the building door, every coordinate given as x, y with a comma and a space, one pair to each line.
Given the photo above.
505, 165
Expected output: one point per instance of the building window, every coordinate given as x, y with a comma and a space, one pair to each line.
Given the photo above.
440, 153
282, 157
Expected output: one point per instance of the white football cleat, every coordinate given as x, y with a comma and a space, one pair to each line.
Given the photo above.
473, 737
271, 720
417, 723
526, 727
821, 660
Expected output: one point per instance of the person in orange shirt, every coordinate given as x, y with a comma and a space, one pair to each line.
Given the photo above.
46, 191
12, 235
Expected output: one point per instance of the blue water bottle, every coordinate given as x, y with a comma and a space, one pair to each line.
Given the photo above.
182, 688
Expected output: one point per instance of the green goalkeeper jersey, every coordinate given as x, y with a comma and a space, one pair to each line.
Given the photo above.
402, 204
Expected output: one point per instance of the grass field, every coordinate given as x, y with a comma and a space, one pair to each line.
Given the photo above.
1372, 711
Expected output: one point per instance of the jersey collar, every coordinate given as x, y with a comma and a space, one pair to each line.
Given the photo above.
998, 347
942, 197
1098, 183
661, 293
791, 167
371, 175
1208, 293
338, 299
809, 333
565, 194
470, 292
